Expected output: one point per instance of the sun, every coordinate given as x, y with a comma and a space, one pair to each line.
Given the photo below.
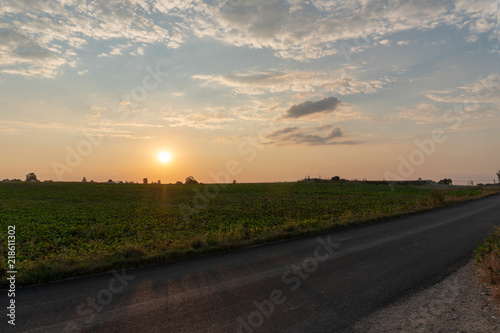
164, 156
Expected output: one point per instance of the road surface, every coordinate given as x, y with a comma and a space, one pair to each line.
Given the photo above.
323, 283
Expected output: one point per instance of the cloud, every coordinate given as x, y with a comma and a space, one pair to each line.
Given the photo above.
316, 136
342, 82
422, 114
207, 119
325, 105
485, 90
320, 28
23, 55
60, 30
105, 128
403, 42
474, 101
40, 38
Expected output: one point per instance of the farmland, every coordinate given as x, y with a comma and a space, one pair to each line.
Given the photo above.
71, 229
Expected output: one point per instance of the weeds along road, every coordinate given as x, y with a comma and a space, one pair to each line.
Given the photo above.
323, 283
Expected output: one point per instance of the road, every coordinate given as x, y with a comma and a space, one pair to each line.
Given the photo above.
323, 283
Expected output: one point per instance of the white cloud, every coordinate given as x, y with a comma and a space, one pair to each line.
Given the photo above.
105, 128
44, 36
485, 90
40, 38
256, 83
295, 31
473, 102
422, 114
403, 42
206, 119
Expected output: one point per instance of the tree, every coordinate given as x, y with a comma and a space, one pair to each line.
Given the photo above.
191, 180
335, 179
31, 177
445, 181
110, 181
498, 175
84, 180
178, 182
145, 181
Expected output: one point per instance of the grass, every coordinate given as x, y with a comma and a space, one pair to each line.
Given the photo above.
488, 262
65, 230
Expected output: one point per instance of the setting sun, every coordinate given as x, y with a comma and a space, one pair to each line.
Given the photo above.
164, 156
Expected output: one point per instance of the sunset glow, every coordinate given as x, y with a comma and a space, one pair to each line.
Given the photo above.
284, 88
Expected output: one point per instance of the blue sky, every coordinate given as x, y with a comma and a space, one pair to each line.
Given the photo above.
282, 88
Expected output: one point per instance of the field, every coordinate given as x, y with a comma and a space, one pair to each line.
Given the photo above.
72, 229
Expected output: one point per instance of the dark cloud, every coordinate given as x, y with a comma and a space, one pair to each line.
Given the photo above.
307, 136
328, 104
281, 132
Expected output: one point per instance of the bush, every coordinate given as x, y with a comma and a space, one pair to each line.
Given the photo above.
191, 180
446, 181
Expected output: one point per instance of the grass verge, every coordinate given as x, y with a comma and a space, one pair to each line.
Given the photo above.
488, 261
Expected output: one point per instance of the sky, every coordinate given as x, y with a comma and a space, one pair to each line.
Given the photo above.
251, 90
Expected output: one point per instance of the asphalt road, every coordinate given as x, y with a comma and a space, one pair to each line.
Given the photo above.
317, 284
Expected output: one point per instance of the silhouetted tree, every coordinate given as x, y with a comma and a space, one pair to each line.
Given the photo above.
335, 179
191, 180
178, 182
84, 180
145, 181
31, 177
498, 175
110, 180
445, 181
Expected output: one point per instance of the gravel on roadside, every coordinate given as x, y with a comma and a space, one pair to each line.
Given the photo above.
459, 303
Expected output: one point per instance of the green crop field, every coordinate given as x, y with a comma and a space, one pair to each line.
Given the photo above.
72, 229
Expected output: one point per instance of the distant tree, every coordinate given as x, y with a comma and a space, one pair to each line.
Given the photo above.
110, 180
178, 182
145, 181
498, 175
31, 177
191, 180
234, 181
84, 180
445, 181
159, 181
335, 179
